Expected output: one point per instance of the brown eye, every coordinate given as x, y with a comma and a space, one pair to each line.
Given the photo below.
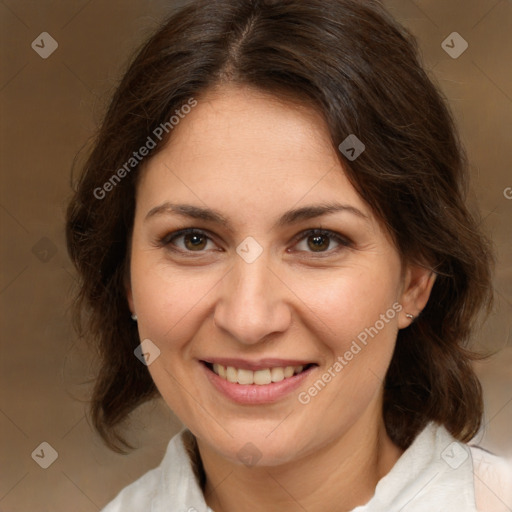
322, 242
318, 243
188, 241
195, 241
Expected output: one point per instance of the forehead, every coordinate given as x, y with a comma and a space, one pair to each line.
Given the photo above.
245, 146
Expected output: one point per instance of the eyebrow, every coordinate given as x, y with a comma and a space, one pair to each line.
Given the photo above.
311, 212
187, 210
290, 217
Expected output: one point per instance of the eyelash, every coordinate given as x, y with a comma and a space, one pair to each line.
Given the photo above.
343, 242
167, 240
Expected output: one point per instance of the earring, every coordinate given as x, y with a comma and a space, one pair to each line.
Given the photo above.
409, 316
134, 317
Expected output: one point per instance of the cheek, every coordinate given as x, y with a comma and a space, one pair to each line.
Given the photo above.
355, 317
349, 302
172, 309
170, 304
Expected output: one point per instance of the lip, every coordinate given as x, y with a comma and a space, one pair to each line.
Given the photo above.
260, 364
254, 394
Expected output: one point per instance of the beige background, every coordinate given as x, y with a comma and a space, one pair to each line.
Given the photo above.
49, 109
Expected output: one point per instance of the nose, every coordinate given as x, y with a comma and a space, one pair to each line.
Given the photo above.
252, 304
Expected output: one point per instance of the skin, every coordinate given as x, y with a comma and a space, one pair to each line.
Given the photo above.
252, 157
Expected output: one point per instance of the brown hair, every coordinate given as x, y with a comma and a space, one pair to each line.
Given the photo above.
362, 72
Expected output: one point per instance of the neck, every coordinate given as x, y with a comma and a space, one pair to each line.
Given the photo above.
340, 475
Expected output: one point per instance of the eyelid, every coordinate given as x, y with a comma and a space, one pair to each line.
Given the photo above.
337, 237
166, 240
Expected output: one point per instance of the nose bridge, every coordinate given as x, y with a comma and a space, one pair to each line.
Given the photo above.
252, 304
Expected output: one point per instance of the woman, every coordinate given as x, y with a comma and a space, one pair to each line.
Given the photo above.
271, 234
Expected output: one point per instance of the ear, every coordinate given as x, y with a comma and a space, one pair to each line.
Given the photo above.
418, 283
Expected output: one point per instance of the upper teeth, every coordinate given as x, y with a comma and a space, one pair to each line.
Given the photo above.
259, 377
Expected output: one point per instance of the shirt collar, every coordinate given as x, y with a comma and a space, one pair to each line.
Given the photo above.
179, 488
435, 473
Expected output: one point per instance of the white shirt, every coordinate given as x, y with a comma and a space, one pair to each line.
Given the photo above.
435, 474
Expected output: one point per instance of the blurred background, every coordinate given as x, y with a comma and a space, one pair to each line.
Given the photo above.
60, 61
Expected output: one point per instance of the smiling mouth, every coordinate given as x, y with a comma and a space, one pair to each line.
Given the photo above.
259, 377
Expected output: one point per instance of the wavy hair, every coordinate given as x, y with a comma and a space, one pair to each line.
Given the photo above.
361, 70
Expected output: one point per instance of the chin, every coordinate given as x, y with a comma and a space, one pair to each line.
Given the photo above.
256, 443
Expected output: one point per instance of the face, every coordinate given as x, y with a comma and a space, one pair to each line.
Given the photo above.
267, 284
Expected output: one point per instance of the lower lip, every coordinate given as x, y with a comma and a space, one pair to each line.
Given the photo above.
254, 394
